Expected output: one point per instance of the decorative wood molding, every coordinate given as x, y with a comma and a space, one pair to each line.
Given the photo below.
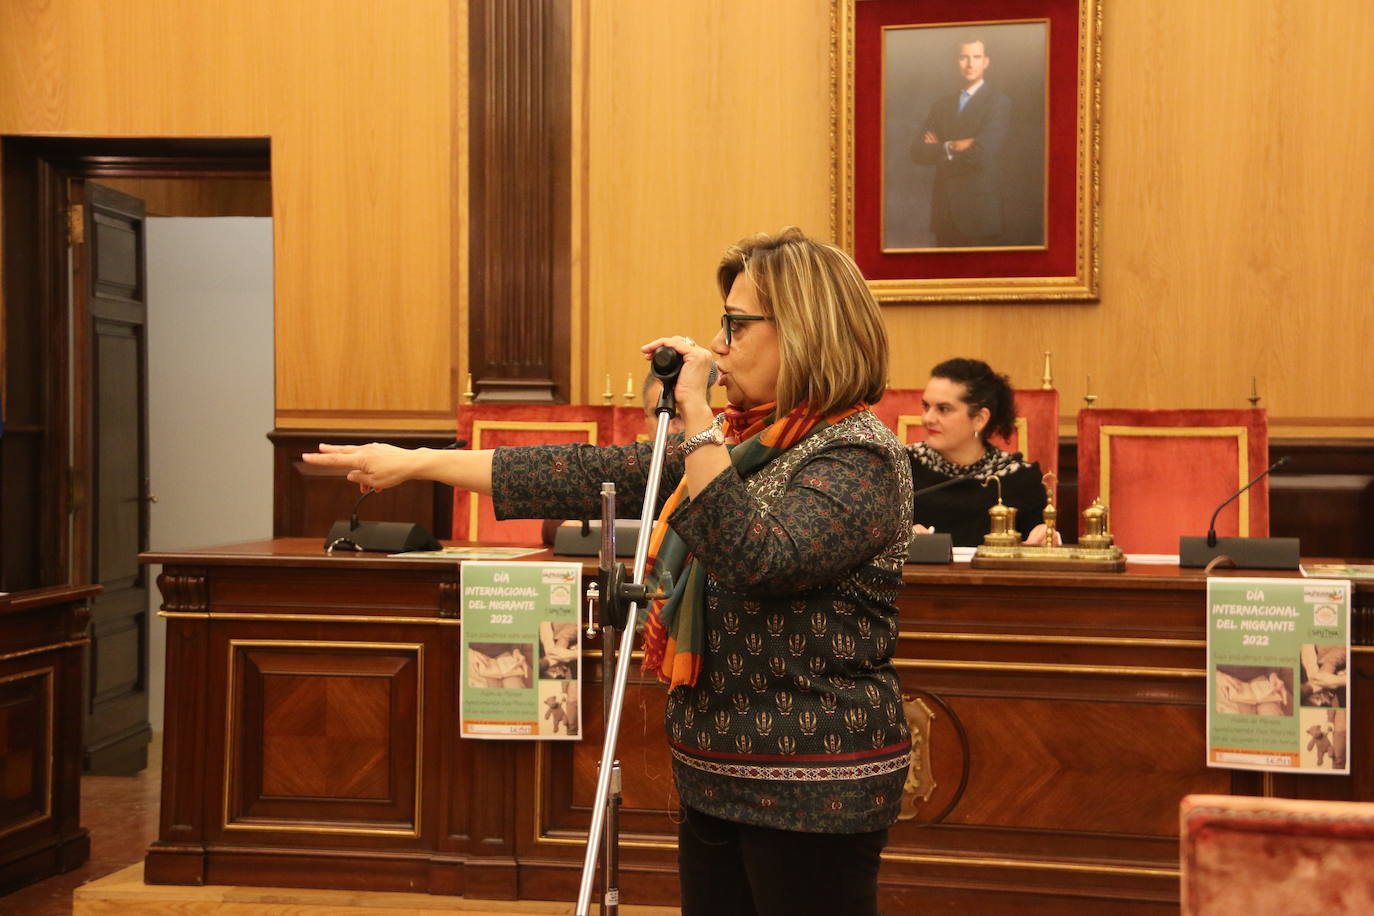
183, 592
520, 96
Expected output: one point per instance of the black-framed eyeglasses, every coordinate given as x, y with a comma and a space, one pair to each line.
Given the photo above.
729, 324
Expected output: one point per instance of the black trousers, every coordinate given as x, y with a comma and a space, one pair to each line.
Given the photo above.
730, 869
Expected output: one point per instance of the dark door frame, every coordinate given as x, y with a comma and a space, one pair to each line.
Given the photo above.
37, 177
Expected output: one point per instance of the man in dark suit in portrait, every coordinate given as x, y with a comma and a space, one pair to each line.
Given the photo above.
963, 138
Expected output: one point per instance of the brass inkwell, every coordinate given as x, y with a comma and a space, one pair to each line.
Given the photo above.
1002, 547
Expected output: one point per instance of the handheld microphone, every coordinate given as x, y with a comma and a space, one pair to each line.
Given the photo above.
1212, 525
666, 365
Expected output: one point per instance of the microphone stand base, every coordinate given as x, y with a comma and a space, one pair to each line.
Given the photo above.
931, 548
1245, 553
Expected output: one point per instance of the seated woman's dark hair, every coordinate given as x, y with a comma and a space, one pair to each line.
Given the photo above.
982, 388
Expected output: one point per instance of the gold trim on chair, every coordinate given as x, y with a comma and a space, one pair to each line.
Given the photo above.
1239, 433
904, 423
587, 426
1023, 438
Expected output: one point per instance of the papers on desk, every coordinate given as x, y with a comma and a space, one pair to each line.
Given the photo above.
1153, 559
963, 554
1337, 570
473, 553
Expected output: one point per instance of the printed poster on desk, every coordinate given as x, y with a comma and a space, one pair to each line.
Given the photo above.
521, 669
1278, 657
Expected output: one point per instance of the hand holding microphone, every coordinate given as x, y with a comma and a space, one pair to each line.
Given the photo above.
687, 371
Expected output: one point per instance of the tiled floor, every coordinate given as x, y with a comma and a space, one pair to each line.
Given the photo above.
121, 814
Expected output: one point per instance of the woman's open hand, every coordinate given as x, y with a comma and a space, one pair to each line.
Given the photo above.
374, 466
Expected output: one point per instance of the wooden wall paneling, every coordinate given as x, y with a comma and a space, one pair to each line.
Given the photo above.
307, 500
695, 137
706, 122
358, 105
519, 195
1324, 496
1210, 263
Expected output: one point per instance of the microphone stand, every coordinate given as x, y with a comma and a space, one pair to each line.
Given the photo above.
616, 593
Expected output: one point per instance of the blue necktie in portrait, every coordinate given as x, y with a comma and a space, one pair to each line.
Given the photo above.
963, 100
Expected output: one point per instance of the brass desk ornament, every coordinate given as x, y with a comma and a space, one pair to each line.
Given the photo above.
1002, 547
1002, 532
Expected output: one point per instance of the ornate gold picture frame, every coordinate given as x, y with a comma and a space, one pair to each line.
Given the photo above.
992, 196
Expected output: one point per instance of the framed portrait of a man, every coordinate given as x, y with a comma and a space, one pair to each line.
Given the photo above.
966, 166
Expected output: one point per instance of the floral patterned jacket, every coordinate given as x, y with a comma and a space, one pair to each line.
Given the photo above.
796, 720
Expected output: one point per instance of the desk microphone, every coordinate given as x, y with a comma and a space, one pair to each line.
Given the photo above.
1212, 525
1241, 552
353, 519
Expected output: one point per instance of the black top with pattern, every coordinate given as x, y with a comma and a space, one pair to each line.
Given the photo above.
796, 720
961, 509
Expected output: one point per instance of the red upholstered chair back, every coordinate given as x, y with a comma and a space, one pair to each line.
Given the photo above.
1037, 422
1161, 473
1275, 856
495, 425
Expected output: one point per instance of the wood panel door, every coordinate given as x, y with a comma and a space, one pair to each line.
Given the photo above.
110, 458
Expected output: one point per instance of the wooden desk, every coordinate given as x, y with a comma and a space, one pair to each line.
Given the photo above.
42, 642
311, 740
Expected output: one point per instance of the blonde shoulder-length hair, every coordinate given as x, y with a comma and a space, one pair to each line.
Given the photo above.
831, 335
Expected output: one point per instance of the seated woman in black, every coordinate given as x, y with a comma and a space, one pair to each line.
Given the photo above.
963, 404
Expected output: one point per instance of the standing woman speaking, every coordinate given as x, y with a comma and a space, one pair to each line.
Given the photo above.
785, 532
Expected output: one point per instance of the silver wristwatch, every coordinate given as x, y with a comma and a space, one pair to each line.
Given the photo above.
709, 436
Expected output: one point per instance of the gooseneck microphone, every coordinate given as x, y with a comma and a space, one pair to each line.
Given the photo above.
1212, 525
353, 519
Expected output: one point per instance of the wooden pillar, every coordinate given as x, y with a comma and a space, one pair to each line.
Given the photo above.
520, 199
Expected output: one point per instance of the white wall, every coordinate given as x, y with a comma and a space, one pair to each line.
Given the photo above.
210, 392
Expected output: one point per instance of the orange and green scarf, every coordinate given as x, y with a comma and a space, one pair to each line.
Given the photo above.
674, 633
